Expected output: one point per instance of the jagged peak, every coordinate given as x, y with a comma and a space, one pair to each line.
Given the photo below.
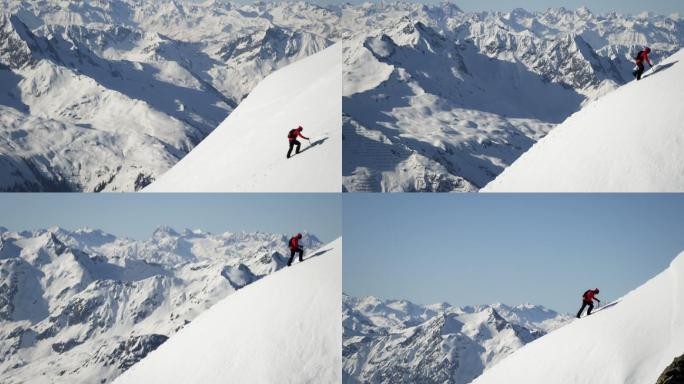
583, 11
164, 231
55, 229
194, 232
521, 12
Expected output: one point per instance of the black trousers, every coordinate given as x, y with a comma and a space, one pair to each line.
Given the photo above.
292, 255
639, 71
589, 304
292, 144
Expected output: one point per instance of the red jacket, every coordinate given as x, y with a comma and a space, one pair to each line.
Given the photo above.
643, 56
589, 296
297, 133
294, 242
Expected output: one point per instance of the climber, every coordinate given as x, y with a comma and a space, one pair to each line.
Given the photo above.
292, 137
640, 58
588, 301
295, 248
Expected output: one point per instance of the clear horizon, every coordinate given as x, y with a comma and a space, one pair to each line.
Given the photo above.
137, 215
507, 248
632, 7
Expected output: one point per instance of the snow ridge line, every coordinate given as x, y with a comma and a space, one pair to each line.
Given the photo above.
677, 270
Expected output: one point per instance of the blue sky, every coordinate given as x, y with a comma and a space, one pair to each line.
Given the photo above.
665, 7
137, 215
511, 248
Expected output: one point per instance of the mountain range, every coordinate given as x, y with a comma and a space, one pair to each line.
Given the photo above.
396, 341
85, 305
437, 99
108, 95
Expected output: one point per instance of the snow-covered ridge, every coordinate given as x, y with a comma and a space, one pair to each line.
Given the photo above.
247, 152
631, 140
107, 96
85, 305
401, 342
437, 99
628, 341
282, 329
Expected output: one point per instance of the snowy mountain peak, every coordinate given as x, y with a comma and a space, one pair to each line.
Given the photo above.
584, 12
396, 340
85, 305
17, 43
163, 232
93, 79
441, 101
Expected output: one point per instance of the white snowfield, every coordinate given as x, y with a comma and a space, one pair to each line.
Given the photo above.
630, 341
247, 152
282, 329
631, 140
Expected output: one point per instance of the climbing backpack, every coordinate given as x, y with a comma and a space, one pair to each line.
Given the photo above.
638, 55
292, 134
584, 296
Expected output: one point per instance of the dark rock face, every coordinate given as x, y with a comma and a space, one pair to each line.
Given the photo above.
7, 293
674, 373
65, 346
132, 350
79, 311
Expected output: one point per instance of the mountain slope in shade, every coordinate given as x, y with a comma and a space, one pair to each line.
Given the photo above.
283, 329
247, 152
398, 341
629, 341
631, 140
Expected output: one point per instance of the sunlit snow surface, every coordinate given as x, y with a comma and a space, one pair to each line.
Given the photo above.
84, 305
631, 140
247, 152
437, 99
629, 341
282, 329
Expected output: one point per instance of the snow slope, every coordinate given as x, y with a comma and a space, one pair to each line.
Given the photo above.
631, 140
283, 329
83, 306
629, 342
109, 95
247, 151
437, 99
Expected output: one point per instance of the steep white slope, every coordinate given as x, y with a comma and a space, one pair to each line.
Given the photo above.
628, 342
83, 306
631, 140
283, 329
247, 151
437, 99
109, 95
